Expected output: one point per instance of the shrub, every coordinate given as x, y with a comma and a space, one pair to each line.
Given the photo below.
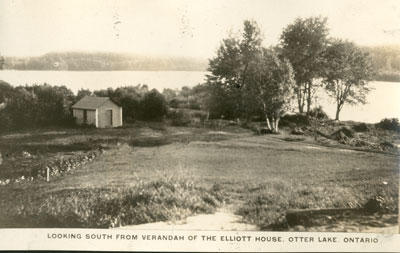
389, 124
343, 135
37, 105
177, 103
318, 113
194, 104
298, 119
153, 106
5, 121
362, 127
179, 118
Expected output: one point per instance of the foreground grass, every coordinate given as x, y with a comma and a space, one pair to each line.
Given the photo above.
156, 173
267, 204
159, 200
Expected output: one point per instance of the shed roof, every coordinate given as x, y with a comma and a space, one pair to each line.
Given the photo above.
91, 103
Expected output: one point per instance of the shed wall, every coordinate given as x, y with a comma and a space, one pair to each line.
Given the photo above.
91, 116
116, 114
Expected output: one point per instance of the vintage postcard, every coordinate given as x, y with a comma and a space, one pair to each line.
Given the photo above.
213, 125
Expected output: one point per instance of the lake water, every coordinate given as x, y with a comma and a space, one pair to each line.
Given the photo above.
383, 100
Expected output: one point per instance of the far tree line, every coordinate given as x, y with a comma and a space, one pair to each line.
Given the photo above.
46, 105
246, 80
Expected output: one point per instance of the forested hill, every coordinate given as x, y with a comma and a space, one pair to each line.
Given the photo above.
386, 60
99, 61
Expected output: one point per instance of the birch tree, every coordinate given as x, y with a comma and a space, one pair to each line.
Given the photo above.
347, 71
302, 43
271, 85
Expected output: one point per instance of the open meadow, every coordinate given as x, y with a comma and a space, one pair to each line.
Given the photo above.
150, 172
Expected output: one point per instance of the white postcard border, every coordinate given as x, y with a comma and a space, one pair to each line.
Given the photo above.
195, 240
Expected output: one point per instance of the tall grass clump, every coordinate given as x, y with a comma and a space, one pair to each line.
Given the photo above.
160, 200
267, 203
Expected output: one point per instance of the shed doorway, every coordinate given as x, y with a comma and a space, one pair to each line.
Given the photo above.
109, 118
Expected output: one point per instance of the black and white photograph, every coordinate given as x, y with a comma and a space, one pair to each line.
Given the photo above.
269, 124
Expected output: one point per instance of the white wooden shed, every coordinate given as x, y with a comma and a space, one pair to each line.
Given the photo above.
101, 112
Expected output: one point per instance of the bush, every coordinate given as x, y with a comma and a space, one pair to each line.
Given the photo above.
343, 135
389, 124
362, 127
179, 118
177, 103
318, 113
298, 119
5, 121
37, 105
194, 104
153, 106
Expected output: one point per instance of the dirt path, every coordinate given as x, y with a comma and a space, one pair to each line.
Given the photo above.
223, 219
220, 220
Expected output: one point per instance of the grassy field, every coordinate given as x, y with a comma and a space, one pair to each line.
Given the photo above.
153, 172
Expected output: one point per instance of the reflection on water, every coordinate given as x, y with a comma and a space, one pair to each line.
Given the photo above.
383, 101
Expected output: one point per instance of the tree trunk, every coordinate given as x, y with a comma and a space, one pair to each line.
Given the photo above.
309, 97
277, 125
273, 124
337, 112
268, 123
301, 105
300, 99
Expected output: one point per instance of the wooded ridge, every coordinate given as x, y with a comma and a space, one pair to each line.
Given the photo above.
386, 60
104, 61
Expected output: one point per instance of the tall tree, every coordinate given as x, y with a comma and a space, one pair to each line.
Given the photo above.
271, 86
229, 68
347, 70
302, 42
83, 92
22, 108
53, 104
169, 94
6, 91
153, 105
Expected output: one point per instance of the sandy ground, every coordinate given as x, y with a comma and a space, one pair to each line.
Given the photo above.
223, 219
220, 220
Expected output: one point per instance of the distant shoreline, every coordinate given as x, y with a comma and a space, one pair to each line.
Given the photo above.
379, 79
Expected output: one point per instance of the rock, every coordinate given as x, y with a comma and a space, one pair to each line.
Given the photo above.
26, 154
388, 146
374, 205
265, 130
299, 228
297, 131
296, 218
1, 159
361, 143
343, 135
232, 123
7, 181
345, 131
362, 127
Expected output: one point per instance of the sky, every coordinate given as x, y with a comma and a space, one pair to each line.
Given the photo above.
179, 27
